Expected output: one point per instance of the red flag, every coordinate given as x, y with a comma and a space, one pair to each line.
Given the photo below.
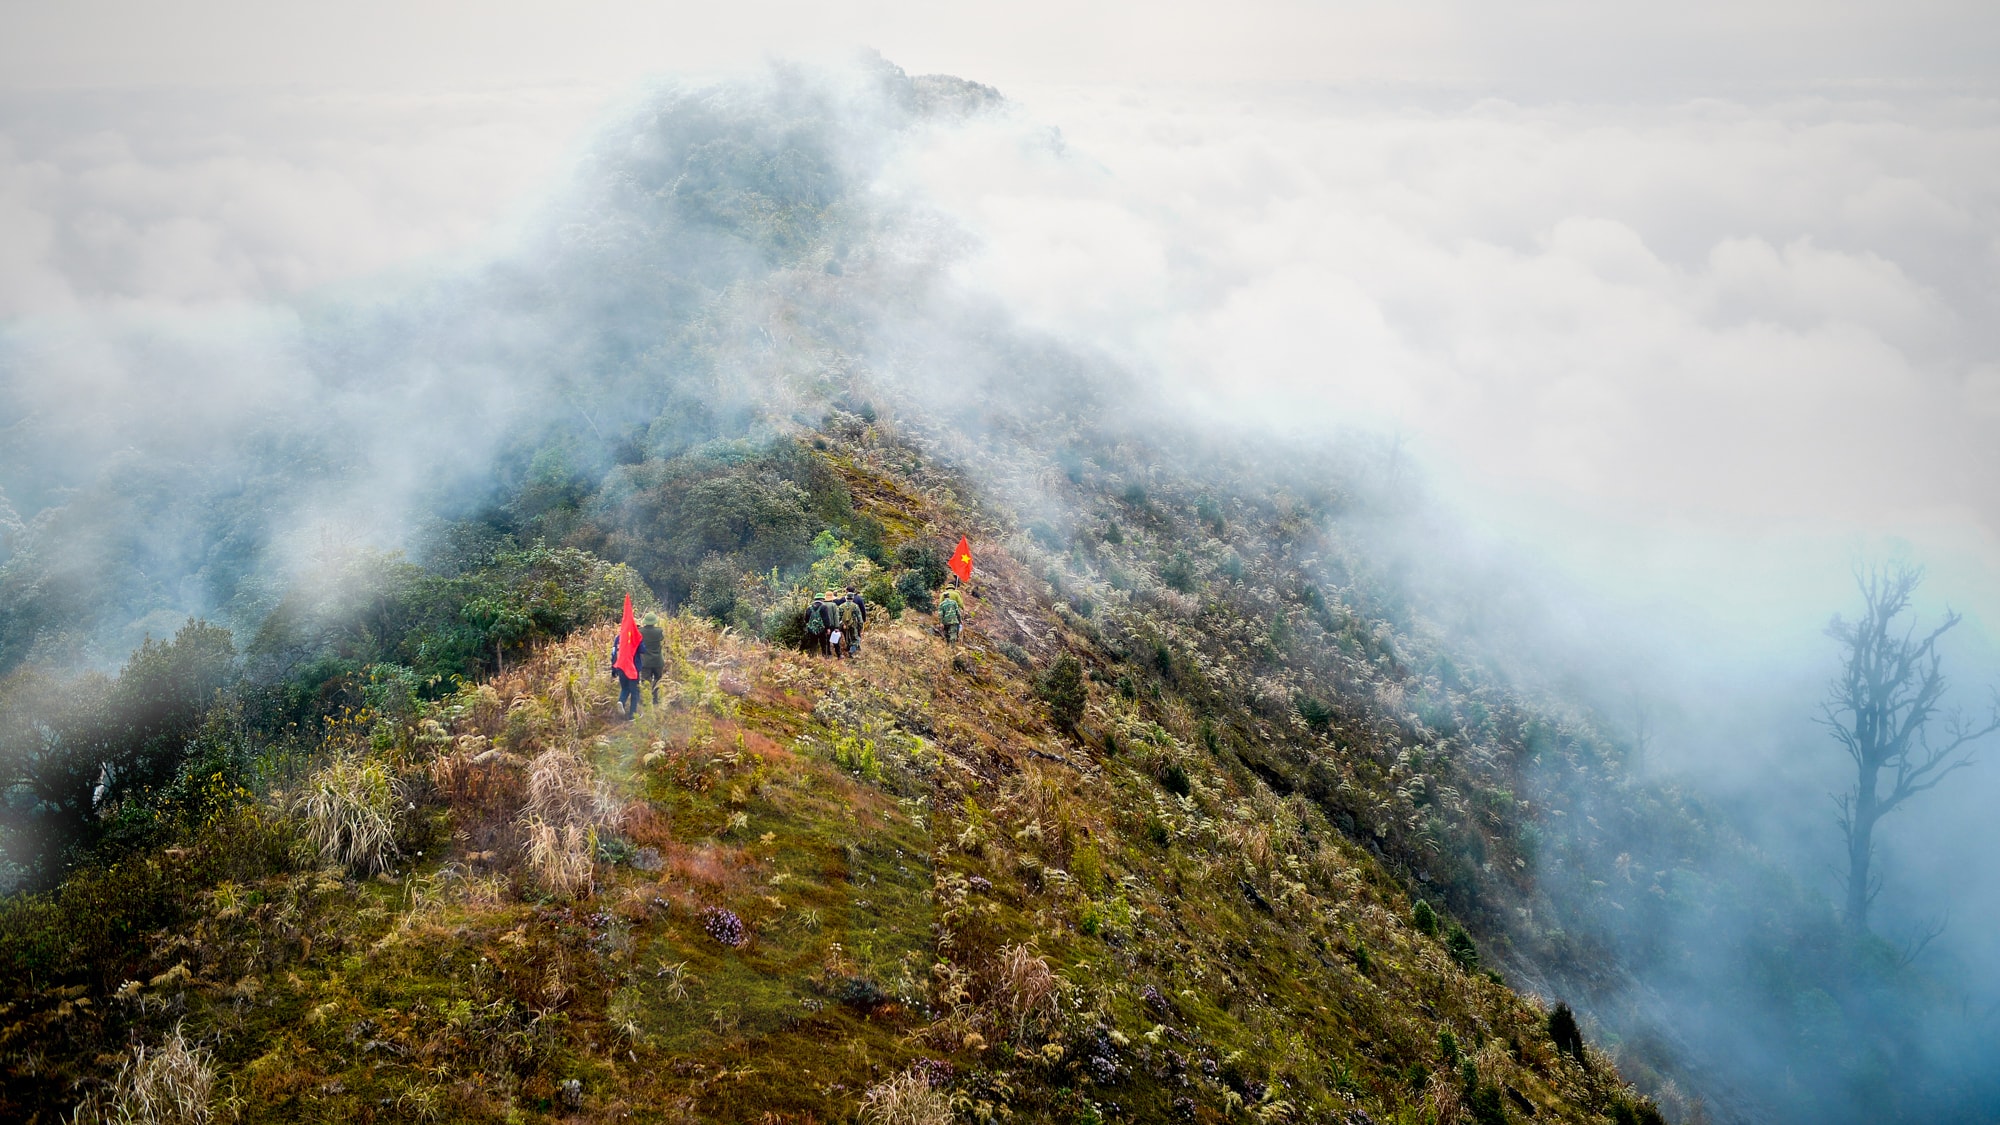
961, 560
628, 643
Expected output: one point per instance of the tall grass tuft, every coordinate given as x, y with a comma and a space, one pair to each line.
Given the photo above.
171, 1085
1027, 987
561, 819
906, 1099
563, 857
351, 808
561, 789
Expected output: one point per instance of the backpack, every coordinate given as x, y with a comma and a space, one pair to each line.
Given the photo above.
948, 611
816, 618
848, 615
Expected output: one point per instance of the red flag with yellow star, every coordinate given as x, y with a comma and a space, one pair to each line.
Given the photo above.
961, 560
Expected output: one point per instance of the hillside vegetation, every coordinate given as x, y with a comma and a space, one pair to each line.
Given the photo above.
907, 886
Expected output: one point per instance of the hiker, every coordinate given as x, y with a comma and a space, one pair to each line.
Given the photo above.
628, 686
850, 620
951, 615
652, 653
834, 637
816, 625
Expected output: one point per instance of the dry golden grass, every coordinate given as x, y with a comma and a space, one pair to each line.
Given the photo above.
562, 857
1026, 988
173, 1084
906, 1099
350, 809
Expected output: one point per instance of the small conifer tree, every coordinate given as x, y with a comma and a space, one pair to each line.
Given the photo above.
1563, 1030
1425, 919
1061, 687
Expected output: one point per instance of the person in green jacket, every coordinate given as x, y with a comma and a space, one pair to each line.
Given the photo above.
951, 615
850, 624
816, 625
653, 656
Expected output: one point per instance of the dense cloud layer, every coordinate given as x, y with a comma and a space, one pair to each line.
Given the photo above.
1713, 312
167, 200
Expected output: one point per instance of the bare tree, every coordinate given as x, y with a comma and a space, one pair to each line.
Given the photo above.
1881, 708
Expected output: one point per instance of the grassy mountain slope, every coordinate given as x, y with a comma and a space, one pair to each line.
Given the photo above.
782, 889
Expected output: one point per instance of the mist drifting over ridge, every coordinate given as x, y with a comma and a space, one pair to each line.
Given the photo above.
1179, 269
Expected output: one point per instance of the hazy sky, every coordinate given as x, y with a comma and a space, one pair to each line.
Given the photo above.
1700, 296
1578, 48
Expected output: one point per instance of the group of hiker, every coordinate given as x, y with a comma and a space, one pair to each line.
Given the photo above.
834, 621
647, 663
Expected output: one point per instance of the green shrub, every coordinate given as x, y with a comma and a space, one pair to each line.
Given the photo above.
1484, 1103
881, 595
914, 591
1174, 779
869, 537
857, 756
1317, 714
1424, 919
924, 560
1280, 636
1459, 943
392, 692
1061, 687
1210, 513
1179, 573
1563, 1030
787, 628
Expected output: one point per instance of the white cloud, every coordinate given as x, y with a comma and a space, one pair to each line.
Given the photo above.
1714, 311
179, 199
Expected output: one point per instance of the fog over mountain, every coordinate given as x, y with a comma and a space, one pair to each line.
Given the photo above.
1632, 371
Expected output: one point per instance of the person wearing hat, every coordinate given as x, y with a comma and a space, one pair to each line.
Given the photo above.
951, 616
850, 622
816, 624
653, 653
860, 619
834, 638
